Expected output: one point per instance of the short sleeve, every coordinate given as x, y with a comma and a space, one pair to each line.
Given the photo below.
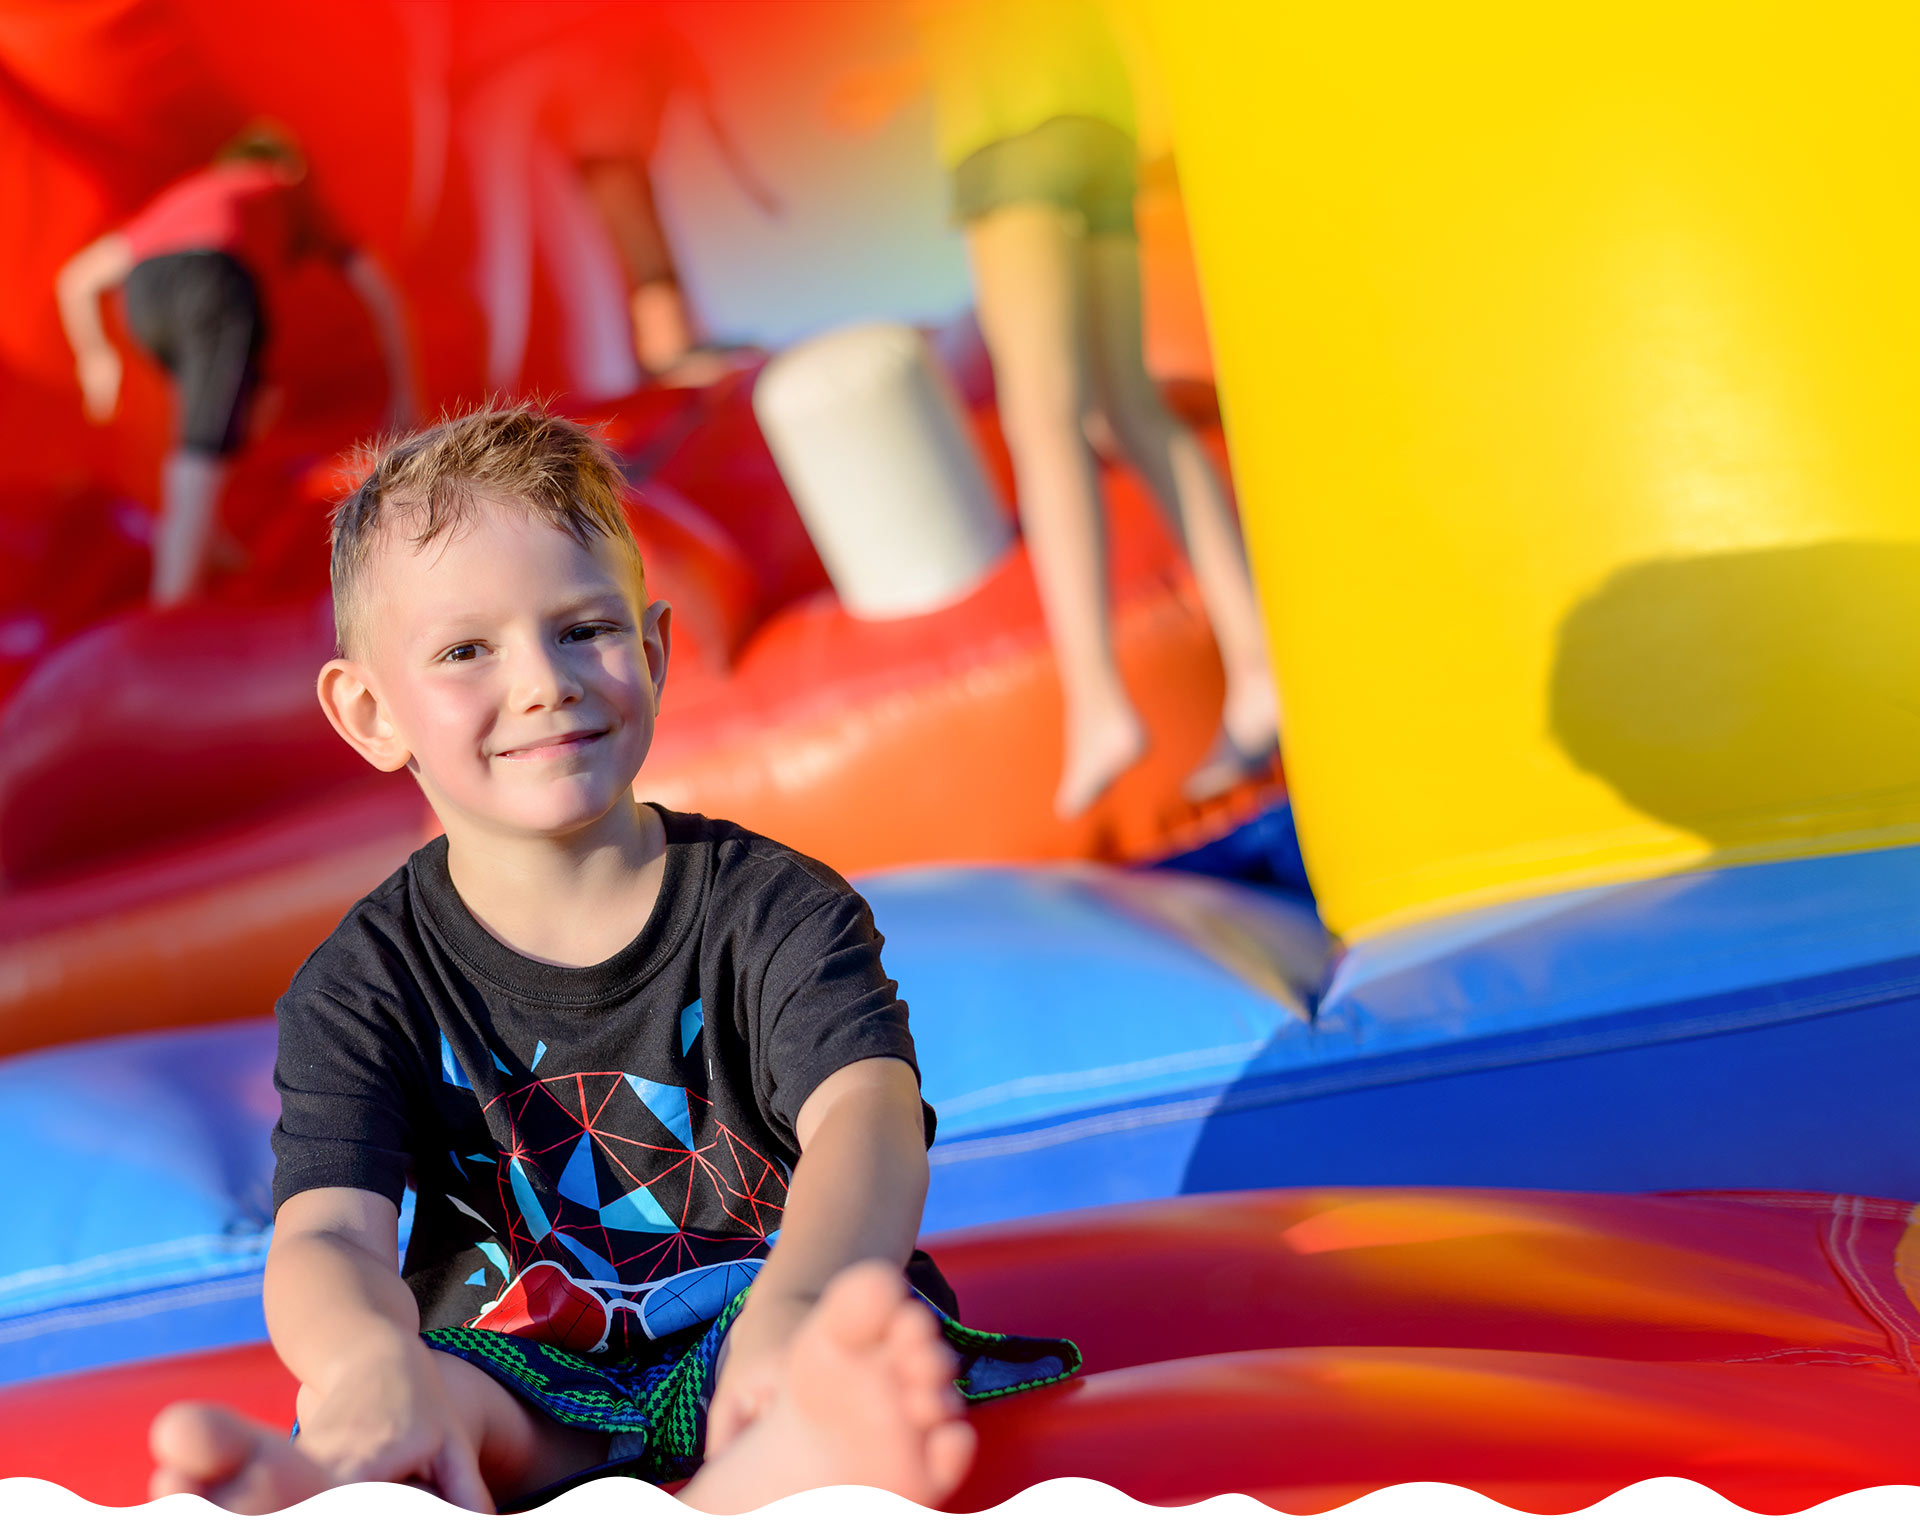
825, 1003
343, 1111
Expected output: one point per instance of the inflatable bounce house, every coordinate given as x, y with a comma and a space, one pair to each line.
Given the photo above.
1537, 1120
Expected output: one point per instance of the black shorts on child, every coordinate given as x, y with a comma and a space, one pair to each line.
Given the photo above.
198, 314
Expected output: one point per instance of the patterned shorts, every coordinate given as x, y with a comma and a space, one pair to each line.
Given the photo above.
655, 1410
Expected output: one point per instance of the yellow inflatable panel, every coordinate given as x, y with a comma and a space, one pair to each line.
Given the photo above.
1571, 363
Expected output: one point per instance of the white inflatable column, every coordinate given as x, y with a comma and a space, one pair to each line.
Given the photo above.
870, 439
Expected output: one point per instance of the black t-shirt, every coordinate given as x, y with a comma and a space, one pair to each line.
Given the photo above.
629, 1121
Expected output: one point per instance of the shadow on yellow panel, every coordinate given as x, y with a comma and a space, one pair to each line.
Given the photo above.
1760, 699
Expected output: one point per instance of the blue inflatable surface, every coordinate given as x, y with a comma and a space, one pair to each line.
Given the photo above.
1753, 1027
1039, 991
138, 1213
142, 1228
1092, 1036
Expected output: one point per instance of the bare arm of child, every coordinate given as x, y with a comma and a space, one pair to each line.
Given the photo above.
372, 1405
95, 270
856, 1195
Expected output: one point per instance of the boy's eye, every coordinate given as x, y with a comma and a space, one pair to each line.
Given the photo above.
587, 631
466, 651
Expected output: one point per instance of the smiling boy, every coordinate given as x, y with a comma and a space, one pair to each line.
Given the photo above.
632, 1061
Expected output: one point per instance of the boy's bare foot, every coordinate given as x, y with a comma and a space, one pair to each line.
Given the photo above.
237, 1463
1098, 753
867, 1398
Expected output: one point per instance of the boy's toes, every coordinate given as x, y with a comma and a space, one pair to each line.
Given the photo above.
923, 1367
858, 1307
950, 1448
237, 1463
198, 1444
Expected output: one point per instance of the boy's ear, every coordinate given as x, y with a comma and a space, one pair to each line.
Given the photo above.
355, 711
656, 639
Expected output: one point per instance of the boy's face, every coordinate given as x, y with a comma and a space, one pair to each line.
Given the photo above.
512, 671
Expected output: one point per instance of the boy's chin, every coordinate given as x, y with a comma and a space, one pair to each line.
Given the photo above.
559, 814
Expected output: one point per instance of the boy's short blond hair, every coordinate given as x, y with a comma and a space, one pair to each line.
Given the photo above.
556, 469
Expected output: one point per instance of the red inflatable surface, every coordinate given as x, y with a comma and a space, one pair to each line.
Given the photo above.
179, 826
1308, 1347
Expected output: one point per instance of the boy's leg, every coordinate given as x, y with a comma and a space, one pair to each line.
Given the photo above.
867, 1397
250, 1468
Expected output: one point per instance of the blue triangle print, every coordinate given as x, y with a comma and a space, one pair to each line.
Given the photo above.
478, 1279
668, 1104
538, 1225
539, 1051
450, 1070
690, 1021
639, 1212
499, 1064
580, 1183
596, 1266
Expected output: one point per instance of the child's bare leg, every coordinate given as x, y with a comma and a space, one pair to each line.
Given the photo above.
251, 1469
190, 484
1183, 481
867, 1398
1027, 288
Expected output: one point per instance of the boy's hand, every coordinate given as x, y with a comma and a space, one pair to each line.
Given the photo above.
751, 1364
384, 1414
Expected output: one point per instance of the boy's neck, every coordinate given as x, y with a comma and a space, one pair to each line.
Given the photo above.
573, 902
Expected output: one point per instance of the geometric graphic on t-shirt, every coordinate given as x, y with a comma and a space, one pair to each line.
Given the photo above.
453, 1074
690, 1021
450, 1070
626, 1180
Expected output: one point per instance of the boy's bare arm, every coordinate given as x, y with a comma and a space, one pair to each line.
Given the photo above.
856, 1195
371, 1401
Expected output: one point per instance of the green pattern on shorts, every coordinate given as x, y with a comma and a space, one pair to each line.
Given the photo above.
662, 1401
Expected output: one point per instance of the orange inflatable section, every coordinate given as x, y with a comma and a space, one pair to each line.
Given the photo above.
1546, 1349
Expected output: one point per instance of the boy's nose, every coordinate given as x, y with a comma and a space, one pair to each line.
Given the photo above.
542, 679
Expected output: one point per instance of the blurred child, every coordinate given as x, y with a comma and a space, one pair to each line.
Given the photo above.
559, 128
609, 119
653, 1088
190, 267
1034, 119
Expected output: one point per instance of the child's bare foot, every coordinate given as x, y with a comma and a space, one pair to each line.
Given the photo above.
1225, 766
1249, 736
867, 1398
237, 1463
1098, 753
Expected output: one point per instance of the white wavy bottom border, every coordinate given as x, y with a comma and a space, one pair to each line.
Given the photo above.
609, 1501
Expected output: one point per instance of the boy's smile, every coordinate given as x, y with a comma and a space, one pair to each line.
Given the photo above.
561, 746
513, 672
